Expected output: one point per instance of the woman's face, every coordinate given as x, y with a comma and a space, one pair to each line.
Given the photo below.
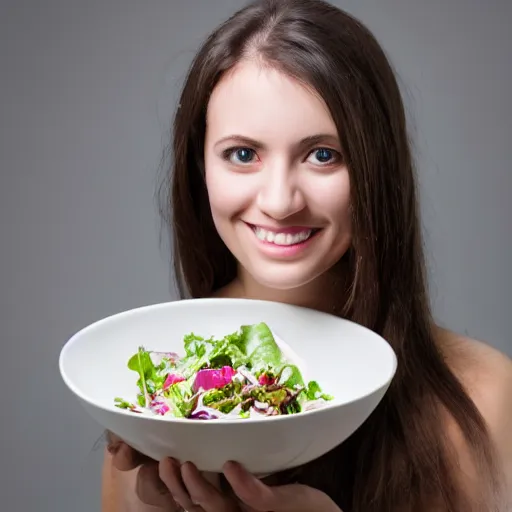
277, 184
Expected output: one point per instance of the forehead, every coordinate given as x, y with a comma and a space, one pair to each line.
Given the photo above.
260, 102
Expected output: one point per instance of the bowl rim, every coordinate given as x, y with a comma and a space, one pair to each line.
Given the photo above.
220, 421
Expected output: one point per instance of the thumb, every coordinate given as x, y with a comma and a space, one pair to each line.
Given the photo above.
299, 498
285, 498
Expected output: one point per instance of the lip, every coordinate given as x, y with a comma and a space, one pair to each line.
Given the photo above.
288, 230
284, 251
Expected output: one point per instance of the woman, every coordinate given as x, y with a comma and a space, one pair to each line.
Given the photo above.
293, 181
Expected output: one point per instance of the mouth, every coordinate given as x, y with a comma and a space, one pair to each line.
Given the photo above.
285, 237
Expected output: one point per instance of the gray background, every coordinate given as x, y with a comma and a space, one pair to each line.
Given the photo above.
87, 90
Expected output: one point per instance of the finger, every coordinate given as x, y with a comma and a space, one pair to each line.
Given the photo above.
125, 458
170, 474
203, 493
247, 487
151, 490
113, 442
111, 437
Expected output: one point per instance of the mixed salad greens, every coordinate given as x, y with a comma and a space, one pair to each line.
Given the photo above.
242, 375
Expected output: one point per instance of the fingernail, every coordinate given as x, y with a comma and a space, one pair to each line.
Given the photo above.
113, 448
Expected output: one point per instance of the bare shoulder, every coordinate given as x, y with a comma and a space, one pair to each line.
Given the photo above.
486, 374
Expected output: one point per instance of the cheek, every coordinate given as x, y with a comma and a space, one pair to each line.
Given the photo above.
229, 194
331, 198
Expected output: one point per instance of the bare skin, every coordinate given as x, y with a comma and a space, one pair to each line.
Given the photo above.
485, 372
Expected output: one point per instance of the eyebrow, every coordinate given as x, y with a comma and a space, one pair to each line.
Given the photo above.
304, 143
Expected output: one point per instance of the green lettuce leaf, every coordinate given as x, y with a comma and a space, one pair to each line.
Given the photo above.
200, 352
195, 346
180, 398
149, 378
216, 395
227, 404
123, 404
197, 352
274, 397
290, 376
252, 346
314, 392
261, 348
227, 354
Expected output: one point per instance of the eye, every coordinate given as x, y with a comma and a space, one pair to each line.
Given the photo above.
242, 156
324, 156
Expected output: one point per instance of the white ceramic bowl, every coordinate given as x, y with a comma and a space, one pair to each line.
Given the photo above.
350, 362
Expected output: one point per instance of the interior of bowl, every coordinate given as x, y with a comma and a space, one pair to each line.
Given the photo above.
349, 361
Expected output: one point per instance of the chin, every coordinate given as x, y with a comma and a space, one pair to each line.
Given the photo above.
285, 279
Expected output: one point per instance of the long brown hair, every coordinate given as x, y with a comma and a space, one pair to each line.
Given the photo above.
401, 458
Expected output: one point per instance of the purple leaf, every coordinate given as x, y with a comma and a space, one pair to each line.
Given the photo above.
159, 406
204, 414
171, 379
213, 379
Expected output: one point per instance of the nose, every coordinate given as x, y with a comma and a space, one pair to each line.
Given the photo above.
280, 195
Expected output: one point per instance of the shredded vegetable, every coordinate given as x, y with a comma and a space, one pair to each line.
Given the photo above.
242, 375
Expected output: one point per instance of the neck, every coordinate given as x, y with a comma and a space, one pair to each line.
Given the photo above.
325, 293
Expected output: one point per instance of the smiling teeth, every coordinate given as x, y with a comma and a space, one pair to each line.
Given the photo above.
282, 238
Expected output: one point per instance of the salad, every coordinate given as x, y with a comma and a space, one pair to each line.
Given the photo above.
242, 375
